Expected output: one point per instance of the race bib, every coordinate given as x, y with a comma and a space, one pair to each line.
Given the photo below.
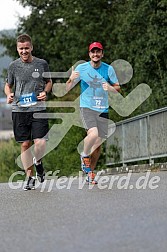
98, 102
27, 100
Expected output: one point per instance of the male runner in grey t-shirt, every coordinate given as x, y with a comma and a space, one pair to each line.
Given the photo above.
27, 89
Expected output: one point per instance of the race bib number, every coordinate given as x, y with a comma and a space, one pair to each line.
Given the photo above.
98, 102
27, 100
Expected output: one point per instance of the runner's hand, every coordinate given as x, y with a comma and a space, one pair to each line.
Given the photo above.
42, 96
105, 86
74, 74
10, 98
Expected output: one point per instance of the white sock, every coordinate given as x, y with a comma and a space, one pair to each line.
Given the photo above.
36, 162
84, 155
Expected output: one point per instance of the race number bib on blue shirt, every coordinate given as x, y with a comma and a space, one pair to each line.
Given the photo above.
27, 100
98, 102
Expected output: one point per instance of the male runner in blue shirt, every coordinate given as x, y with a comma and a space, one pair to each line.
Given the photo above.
96, 80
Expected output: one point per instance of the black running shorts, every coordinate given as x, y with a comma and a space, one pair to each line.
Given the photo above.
26, 127
92, 118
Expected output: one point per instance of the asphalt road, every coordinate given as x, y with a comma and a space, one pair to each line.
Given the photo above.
110, 217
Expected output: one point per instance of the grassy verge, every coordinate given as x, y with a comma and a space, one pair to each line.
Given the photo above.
9, 150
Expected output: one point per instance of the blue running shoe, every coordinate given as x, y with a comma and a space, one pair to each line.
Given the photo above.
85, 164
91, 178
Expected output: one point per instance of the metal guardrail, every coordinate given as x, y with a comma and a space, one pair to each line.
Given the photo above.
143, 137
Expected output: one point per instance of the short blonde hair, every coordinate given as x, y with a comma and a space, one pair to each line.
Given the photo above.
24, 38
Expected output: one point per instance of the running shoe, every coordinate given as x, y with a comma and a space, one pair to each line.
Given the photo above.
91, 178
85, 164
30, 184
40, 173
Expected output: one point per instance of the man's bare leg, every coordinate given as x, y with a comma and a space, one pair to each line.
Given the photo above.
95, 157
91, 153
96, 150
90, 140
26, 158
27, 161
39, 149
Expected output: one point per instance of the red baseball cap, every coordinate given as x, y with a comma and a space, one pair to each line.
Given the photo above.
95, 45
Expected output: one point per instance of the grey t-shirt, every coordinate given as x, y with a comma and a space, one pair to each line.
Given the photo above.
27, 78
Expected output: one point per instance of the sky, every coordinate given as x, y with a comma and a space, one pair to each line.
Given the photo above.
9, 12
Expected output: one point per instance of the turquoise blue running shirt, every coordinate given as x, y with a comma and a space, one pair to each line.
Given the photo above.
93, 95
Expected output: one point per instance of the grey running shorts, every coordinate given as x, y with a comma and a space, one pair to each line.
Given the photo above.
92, 118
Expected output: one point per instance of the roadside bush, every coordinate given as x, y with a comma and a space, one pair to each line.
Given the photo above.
9, 150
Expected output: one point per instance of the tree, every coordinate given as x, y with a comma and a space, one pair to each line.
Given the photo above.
141, 40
